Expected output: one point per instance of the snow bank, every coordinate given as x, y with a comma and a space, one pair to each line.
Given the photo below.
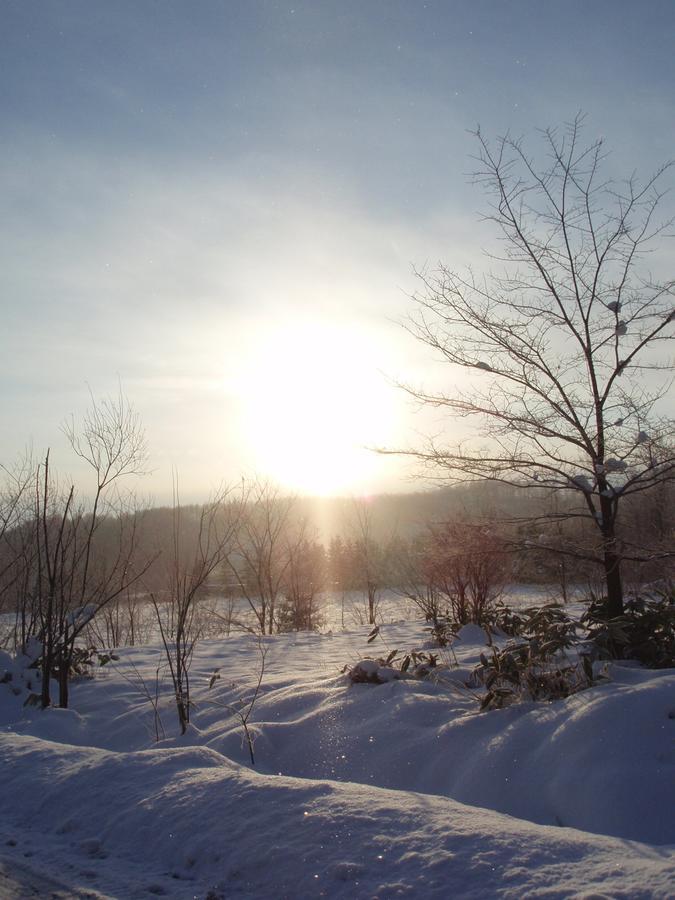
189, 818
361, 790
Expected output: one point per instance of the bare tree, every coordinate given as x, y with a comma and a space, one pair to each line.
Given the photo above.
69, 577
124, 622
111, 440
196, 553
454, 570
17, 550
562, 345
467, 565
412, 579
304, 579
259, 560
58, 571
368, 556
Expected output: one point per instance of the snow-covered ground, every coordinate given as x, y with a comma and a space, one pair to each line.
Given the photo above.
359, 790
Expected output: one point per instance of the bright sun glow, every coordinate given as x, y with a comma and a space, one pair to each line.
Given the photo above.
315, 401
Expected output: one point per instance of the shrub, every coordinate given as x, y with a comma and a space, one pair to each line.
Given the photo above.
465, 567
378, 670
645, 631
443, 631
529, 671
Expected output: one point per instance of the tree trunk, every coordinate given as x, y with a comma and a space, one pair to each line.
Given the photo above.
610, 552
45, 699
47, 651
183, 717
612, 564
63, 683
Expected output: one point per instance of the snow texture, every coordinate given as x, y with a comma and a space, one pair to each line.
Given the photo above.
399, 789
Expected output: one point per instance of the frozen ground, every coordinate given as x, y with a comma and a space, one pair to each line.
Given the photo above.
394, 790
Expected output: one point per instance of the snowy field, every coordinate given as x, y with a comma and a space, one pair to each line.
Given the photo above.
396, 790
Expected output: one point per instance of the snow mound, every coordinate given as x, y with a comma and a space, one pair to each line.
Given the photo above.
399, 788
190, 818
473, 635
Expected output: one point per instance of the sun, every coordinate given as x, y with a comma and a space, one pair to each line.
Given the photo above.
314, 402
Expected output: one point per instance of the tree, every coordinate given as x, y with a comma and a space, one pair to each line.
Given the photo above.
62, 570
259, 559
453, 570
17, 549
367, 560
304, 580
197, 551
466, 565
560, 345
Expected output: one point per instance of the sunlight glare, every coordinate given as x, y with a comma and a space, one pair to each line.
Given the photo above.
315, 402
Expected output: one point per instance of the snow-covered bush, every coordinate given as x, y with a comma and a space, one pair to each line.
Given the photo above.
372, 671
411, 664
23, 673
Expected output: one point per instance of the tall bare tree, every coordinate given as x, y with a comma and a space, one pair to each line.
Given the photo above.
562, 340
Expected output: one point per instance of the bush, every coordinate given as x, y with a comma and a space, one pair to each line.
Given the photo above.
535, 667
443, 631
299, 613
378, 670
466, 566
530, 671
550, 625
645, 632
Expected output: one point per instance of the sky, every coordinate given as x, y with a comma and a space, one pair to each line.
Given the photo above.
219, 207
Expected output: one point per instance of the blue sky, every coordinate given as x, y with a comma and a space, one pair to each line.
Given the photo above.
191, 190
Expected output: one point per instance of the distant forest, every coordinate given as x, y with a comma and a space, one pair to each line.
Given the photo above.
396, 526
257, 559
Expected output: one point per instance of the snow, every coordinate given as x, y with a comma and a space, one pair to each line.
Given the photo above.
583, 482
360, 790
616, 465
79, 617
368, 670
472, 634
